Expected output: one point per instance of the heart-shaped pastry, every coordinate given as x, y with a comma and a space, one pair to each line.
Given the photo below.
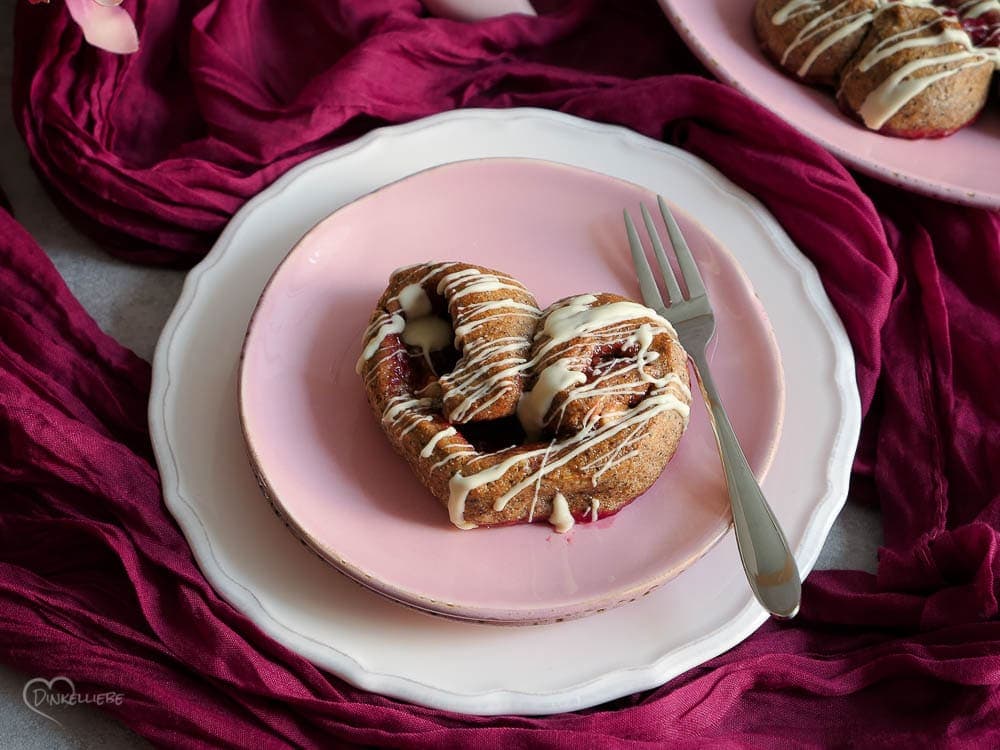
508, 413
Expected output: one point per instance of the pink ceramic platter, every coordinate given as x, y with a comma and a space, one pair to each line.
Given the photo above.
330, 472
962, 168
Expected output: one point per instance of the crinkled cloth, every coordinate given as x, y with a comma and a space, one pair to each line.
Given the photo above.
157, 151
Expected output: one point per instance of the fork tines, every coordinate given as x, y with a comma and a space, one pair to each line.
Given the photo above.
647, 281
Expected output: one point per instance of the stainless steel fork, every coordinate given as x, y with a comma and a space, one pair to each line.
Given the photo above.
769, 565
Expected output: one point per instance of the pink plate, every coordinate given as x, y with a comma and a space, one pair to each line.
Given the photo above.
330, 472
961, 168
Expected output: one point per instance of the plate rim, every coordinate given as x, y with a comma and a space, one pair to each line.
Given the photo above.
465, 612
495, 701
923, 185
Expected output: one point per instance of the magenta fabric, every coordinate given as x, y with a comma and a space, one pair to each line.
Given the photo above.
153, 154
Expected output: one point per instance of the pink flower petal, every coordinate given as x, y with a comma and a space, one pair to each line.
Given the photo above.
109, 28
477, 10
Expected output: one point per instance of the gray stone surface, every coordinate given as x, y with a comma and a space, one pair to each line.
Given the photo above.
80, 728
131, 303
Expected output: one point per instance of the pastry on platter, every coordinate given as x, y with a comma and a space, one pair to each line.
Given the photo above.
812, 41
511, 414
916, 75
906, 68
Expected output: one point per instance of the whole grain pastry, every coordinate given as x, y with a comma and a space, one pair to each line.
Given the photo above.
906, 68
422, 302
916, 75
508, 414
812, 39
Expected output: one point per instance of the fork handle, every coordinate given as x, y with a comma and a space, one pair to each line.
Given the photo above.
767, 560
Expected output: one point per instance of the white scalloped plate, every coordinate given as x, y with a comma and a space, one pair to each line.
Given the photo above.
252, 560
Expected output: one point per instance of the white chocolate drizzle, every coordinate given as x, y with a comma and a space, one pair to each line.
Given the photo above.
414, 301
383, 326
792, 9
491, 367
573, 447
455, 453
437, 438
538, 482
595, 505
535, 404
911, 38
560, 518
900, 86
848, 26
977, 8
428, 334
407, 413
825, 29
609, 322
826, 25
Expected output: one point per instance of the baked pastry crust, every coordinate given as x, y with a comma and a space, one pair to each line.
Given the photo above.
911, 70
940, 51
812, 41
587, 400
